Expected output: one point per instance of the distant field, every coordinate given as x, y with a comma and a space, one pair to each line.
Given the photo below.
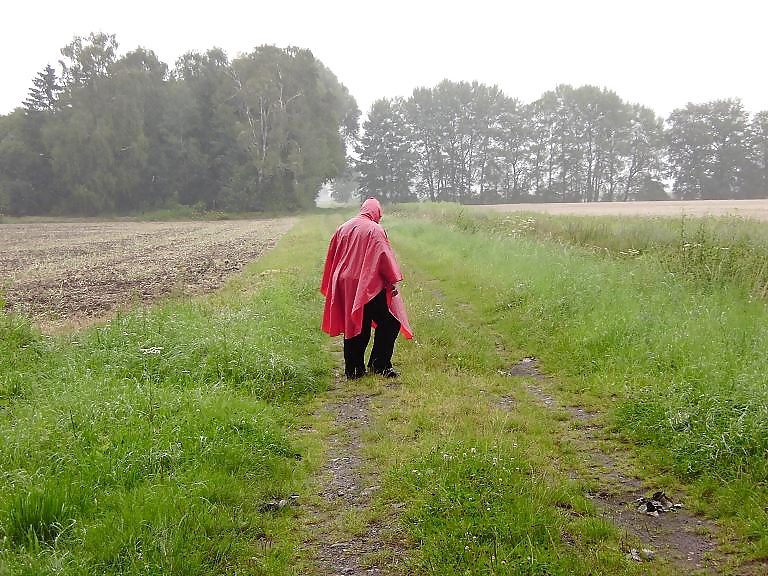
71, 272
756, 209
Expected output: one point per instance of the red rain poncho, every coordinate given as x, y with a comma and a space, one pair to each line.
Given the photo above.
359, 265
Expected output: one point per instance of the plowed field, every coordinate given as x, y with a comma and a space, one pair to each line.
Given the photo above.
72, 273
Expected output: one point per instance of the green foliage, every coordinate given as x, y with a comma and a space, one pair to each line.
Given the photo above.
386, 163
478, 510
344, 188
710, 252
148, 444
471, 143
116, 134
710, 152
38, 517
45, 91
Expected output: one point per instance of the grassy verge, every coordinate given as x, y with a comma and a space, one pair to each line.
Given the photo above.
678, 367
709, 252
155, 444
482, 484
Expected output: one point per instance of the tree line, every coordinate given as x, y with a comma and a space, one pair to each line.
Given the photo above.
471, 143
104, 132
109, 133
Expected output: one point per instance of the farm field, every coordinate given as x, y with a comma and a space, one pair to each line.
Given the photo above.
549, 386
755, 209
71, 273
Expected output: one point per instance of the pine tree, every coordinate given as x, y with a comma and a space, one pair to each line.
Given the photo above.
44, 94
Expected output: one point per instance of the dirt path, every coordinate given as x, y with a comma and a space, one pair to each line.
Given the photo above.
685, 541
343, 540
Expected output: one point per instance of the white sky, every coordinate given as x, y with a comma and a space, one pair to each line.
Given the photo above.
663, 54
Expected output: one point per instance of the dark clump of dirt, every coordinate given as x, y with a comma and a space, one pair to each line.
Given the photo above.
528, 367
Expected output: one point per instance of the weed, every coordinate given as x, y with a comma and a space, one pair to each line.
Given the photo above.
678, 362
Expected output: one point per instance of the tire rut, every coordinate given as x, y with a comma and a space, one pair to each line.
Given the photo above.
686, 541
345, 493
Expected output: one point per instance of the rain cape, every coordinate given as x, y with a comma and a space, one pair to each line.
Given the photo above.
359, 265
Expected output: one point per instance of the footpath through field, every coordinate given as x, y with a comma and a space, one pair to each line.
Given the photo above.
546, 390
476, 461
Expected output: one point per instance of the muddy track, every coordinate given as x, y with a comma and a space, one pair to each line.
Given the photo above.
685, 541
346, 489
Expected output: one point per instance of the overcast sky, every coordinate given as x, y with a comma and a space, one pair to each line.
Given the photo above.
663, 54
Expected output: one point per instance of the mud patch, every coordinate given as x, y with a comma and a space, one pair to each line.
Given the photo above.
507, 403
678, 537
528, 367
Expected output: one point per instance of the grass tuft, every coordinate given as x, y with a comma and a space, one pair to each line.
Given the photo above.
38, 517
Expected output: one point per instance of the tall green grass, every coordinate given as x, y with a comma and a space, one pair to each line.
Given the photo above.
487, 510
482, 486
710, 252
679, 365
151, 443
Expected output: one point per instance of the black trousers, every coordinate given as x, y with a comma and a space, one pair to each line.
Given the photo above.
387, 328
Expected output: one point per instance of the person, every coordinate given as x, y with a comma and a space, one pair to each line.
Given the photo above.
359, 285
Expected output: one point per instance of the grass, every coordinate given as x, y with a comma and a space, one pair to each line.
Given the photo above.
148, 444
708, 251
484, 489
677, 364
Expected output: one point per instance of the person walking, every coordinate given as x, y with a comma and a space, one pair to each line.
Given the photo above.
359, 285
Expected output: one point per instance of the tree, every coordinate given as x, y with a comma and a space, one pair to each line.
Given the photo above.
425, 133
123, 133
88, 59
294, 119
386, 163
25, 174
514, 153
45, 91
203, 122
759, 147
645, 164
344, 188
709, 150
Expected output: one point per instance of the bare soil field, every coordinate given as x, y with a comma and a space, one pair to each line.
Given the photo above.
754, 209
72, 273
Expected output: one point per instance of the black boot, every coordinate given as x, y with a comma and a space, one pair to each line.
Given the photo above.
355, 373
387, 372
